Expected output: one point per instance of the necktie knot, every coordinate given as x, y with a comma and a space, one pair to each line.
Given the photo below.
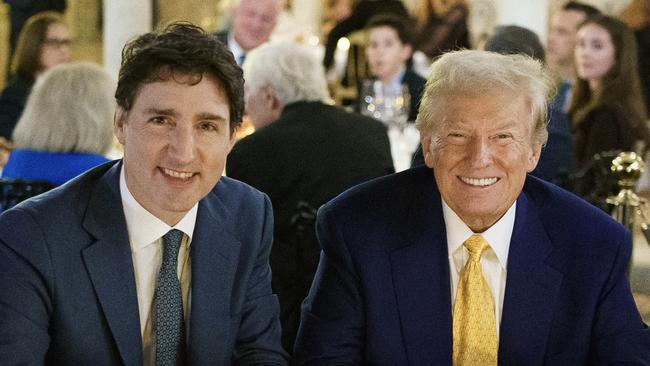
171, 245
476, 245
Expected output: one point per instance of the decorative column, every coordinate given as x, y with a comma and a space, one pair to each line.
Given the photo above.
531, 14
308, 13
123, 20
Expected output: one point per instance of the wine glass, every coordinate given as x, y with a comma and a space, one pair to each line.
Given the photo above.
397, 107
390, 106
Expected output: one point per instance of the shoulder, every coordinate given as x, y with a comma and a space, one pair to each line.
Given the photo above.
17, 90
413, 78
63, 206
240, 209
336, 117
565, 215
380, 196
607, 113
237, 196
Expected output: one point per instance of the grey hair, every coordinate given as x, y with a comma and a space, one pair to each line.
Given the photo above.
291, 70
70, 109
475, 73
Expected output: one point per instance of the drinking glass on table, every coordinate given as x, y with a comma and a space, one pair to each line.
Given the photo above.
390, 106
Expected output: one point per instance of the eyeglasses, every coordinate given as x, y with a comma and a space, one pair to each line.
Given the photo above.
57, 42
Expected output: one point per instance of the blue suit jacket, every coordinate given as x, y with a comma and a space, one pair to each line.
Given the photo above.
67, 288
381, 295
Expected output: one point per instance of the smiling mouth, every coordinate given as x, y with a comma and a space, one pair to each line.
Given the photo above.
479, 182
177, 174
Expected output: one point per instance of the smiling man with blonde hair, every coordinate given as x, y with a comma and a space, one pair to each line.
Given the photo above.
470, 260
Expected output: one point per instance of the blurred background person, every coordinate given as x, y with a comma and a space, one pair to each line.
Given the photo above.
557, 161
441, 26
253, 22
607, 110
361, 13
303, 153
21, 10
335, 11
637, 16
560, 45
66, 127
44, 42
389, 49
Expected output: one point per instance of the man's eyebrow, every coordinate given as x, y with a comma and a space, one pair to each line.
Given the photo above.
210, 116
164, 112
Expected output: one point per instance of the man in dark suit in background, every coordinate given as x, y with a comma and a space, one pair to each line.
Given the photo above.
303, 153
253, 22
152, 259
473, 263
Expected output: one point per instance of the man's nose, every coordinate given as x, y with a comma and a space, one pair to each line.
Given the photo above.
479, 152
182, 144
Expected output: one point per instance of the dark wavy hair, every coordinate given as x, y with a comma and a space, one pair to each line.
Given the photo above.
395, 22
184, 49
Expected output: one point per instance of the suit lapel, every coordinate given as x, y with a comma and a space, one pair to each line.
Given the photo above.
214, 258
532, 287
110, 267
420, 272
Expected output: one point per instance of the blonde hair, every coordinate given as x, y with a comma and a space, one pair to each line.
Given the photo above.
70, 109
475, 73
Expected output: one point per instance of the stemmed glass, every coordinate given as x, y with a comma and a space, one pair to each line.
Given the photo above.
390, 107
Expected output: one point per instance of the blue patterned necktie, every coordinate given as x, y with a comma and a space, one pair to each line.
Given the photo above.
168, 320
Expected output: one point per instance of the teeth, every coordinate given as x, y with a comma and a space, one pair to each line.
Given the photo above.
481, 182
176, 174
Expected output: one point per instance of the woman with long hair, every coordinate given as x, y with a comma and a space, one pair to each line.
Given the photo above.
43, 43
607, 110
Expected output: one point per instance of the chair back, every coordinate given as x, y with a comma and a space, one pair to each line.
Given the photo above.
14, 191
346, 89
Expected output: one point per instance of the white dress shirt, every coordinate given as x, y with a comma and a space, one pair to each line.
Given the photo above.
494, 260
235, 48
145, 237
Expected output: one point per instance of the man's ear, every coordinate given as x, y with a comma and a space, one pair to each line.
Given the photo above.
233, 139
533, 157
119, 122
425, 141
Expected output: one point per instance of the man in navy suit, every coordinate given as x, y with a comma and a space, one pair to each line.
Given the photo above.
395, 250
84, 269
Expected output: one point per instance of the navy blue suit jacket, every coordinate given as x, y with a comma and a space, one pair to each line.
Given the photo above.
381, 295
67, 287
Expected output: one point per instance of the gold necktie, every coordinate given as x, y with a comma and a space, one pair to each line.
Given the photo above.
474, 326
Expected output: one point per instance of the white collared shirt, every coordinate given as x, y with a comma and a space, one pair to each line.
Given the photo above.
235, 48
145, 238
494, 260
394, 87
